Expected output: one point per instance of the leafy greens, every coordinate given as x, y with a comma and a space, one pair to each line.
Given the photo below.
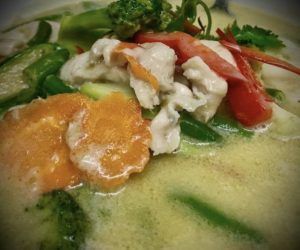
256, 36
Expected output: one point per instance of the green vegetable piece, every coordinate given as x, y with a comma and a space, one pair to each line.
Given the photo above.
70, 221
84, 29
217, 218
230, 126
276, 94
198, 130
42, 35
14, 87
256, 36
188, 11
130, 16
99, 91
150, 113
53, 86
37, 72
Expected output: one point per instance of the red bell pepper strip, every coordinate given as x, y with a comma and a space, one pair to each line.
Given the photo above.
186, 47
248, 100
260, 56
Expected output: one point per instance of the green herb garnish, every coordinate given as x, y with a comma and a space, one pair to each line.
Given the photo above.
276, 94
256, 36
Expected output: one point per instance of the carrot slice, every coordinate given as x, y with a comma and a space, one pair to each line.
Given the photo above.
32, 145
137, 69
114, 143
34, 149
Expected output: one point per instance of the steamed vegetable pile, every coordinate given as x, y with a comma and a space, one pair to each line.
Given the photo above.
117, 81
221, 92
36, 71
124, 19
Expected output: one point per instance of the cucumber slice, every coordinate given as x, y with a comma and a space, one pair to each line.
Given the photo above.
98, 91
12, 81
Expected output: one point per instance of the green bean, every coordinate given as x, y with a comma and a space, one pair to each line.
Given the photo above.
42, 35
54, 85
217, 218
198, 130
229, 125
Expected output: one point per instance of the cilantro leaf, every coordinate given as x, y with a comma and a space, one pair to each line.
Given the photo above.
256, 36
277, 94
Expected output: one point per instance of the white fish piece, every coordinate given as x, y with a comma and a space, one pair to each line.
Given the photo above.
159, 60
182, 98
79, 70
206, 85
221, 50
101, 51
165, 131
147, 96
165, 127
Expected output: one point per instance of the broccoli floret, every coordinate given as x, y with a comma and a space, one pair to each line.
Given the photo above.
70, 222
130, 16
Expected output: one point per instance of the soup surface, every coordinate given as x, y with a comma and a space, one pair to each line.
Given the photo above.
252, 182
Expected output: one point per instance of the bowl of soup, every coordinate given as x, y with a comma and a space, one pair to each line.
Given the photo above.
136, 125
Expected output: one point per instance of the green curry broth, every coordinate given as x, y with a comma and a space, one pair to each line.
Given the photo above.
255, 181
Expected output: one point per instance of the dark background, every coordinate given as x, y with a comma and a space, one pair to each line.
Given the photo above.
12, 9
